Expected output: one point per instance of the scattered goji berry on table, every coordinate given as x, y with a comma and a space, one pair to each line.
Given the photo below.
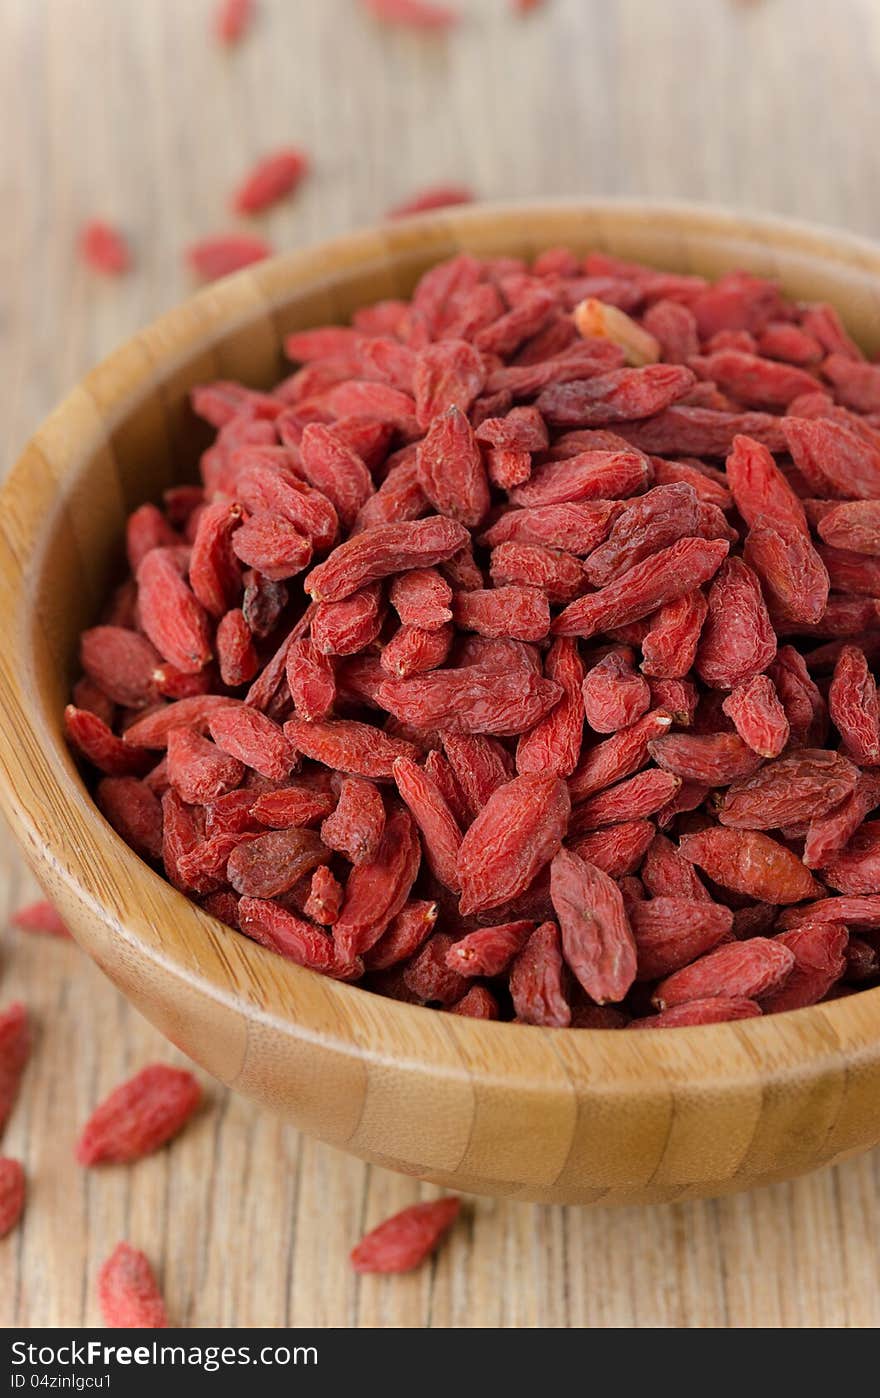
436, 196
12, 1190
232, 19
15, 1044
271, 179
404, 1241
224, 253
104, 249
128, 1292
40, 917
139, 1116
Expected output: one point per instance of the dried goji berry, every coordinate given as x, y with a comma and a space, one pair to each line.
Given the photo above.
759, 487
139, 1116
649, 523
853, 525
225, 253
236, 655
616, 849
588, 476
40, 917
576, 526
174, 620
134, 812
91, 737
418, 14
270, 179
667, 874
854, 706
441, 836
614, 694
749, 969
560, 576
800, 785
471, 700
378, 887
477, 1003
488, 950
439, 196
421, 598
253, 739
737, 639
128, 1293
751, 863
618, 756
715, 1009
104, 248
854, 870
673, 932
348, 746
514, 836
12, 1191
405, 934
536, 980
828, 834
758, 715
268, 865
670, 573
554, 744
272, 545
386, 549
597, 941
632, 799
409, 1237
15, 1044
122, 663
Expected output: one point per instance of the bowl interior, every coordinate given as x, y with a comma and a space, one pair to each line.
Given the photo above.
123, 435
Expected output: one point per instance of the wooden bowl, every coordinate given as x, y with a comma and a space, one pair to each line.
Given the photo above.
564, 1116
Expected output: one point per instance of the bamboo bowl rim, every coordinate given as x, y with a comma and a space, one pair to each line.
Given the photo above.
99, 875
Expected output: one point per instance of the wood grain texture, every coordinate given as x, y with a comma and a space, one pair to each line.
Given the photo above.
249, 1223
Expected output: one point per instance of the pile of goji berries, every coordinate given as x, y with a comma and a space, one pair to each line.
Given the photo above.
514, 655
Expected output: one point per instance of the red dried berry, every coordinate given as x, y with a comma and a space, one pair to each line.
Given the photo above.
215, 257
439, 196
41, 917
717, 1009
597, 941
15, 1044
748, 970
515, 835
378, 888
104, 249
416, 14
128, 1293
271, 179
139, 1116
751, 863
135, 813
232, 19
737, 639
403, 1242
356, 826
672, 932
12, 1191
174, 620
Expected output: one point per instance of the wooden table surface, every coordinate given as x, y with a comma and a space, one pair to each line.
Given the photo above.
126, 108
